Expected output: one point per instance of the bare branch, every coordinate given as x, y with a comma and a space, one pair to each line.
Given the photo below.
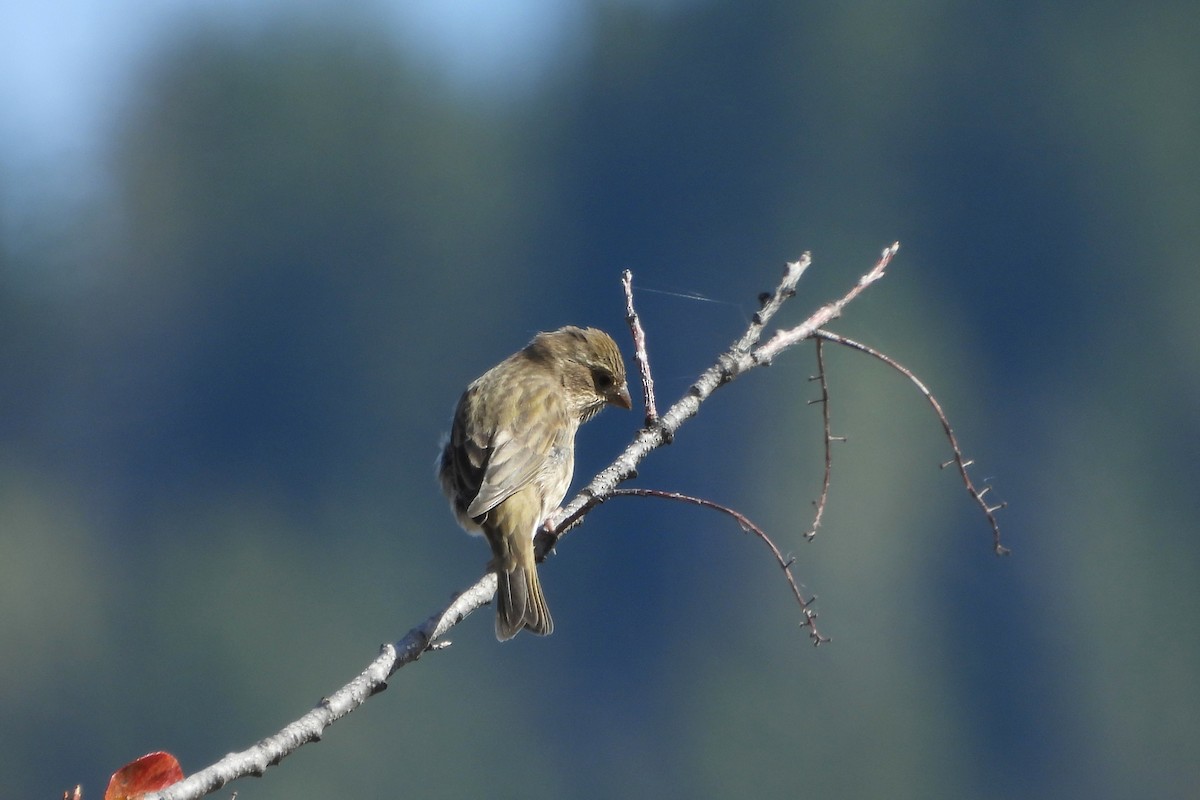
810, 616
976, 494
639, 348
309, 728
743, 355
772, 302
782, 340
829, 439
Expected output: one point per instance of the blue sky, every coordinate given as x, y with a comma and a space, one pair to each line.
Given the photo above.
66, 67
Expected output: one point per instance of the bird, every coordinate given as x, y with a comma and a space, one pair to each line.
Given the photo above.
508, 459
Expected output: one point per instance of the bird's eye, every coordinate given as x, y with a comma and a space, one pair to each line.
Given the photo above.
602, 379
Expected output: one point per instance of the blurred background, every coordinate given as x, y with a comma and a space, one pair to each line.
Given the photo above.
249, 257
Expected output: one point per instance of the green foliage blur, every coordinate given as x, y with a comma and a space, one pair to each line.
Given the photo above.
223, 380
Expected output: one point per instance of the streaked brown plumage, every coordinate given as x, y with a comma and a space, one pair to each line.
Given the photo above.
508, 460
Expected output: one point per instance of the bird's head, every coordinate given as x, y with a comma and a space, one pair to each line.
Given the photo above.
589, 364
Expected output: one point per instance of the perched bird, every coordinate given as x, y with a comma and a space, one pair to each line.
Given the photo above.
508, 460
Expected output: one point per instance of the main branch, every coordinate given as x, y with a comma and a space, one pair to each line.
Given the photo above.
745, 354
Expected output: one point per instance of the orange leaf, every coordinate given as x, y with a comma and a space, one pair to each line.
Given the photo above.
149, 773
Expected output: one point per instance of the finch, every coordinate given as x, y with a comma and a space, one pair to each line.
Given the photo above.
510, 454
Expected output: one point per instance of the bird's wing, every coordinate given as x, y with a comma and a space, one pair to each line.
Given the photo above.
512, 457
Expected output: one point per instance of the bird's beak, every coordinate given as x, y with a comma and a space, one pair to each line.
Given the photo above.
621, 398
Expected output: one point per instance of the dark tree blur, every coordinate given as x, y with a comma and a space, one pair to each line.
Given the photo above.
224, 374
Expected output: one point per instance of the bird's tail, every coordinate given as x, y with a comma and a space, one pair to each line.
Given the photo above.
520, 603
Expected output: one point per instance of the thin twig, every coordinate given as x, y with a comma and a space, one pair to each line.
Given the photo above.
639, 348
771, 302
829, 439
977, 495
810, 616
